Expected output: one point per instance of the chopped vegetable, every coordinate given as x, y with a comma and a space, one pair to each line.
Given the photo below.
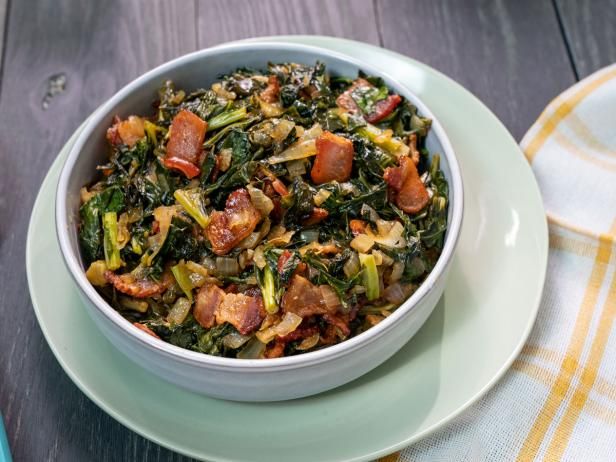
182, 277
370, 278
179, 311
261, 202
362, 243
96, 273
193, 204
289, 323
268, 290
226, 118
112, 250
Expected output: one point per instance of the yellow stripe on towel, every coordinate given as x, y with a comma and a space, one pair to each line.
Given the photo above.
570, 362
589, 375
569, 146
585, 134
562, 111
390, 458
546, 377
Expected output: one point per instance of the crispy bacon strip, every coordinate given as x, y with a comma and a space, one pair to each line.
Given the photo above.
245, 312
229, 227
413, 145
272, 91
275, 351
126, 132
340, 321
138, 288
303, 298
316, 216
207, 302
407, 190
282, 260
383, 108
357, 227
215, 306
334, 160
346, 101
184, 149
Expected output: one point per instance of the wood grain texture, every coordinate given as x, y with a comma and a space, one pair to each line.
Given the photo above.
590, 30
224, 20
3, 8
95, 48
510, 54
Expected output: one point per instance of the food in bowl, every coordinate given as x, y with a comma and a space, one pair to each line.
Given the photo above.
272, 214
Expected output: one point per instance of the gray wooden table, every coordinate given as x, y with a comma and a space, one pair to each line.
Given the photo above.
62, 58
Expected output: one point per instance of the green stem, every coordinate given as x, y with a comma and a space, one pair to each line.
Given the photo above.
182, 276
110, 241
226, 118
370, 276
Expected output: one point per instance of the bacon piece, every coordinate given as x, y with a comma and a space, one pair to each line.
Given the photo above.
113, 136
282, 260
215, 306
299, 334
357, 227
413, 145
316, 216
383, 108
303, 298
274, 184
127, 131
272, 91
229, 227
275, 351
139, 288
406, 188
334, 160
339, 321
244, 312
279, 187
277, 212
330, 335
346, 101
208, 300
145, 329
184, 149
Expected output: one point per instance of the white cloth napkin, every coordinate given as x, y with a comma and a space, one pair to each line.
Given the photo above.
558, 400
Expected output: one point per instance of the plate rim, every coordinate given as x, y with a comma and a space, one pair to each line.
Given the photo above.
543, 239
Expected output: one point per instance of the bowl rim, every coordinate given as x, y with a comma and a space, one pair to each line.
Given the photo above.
72, 259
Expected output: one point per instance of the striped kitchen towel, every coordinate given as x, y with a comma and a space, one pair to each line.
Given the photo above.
558, 401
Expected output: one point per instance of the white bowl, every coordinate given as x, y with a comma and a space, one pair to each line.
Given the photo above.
230, 378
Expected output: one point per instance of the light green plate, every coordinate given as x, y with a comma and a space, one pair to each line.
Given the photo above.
472, 337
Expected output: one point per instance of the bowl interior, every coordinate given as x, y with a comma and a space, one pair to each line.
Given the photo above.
200, 70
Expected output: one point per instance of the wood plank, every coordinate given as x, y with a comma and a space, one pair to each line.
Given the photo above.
225, 20
92, 49
590, 31
3, 8
510, 54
